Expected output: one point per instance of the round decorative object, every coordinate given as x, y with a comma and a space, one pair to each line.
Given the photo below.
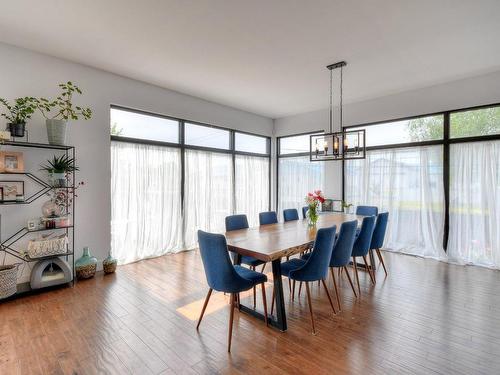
51, 209
109, 264
86, 266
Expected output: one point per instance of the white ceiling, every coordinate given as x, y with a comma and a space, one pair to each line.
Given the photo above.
264, 56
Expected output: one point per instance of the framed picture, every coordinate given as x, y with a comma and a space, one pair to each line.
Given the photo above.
1, 194
11, 162
326, 206
10, 189
337, 205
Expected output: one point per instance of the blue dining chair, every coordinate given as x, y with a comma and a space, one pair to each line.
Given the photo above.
315, 268
379, 236
222, 276
304, 212
236, 222
268, 217
367, 210
341, 254
290, 214
362, 246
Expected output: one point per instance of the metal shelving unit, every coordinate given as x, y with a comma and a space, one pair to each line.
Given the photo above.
7, 245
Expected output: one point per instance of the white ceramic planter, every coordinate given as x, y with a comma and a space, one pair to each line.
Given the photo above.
56, 131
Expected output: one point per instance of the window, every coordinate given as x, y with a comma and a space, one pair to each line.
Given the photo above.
126, 123
205, 136
419, 129
295, 144
477, 122
250, 143
252, 186
408, 183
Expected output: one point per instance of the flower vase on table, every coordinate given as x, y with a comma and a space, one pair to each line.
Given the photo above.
313, 201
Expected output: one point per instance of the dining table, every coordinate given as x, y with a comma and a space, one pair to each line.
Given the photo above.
271, 243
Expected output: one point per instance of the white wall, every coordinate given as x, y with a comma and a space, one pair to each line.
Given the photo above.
468, 92
28, 73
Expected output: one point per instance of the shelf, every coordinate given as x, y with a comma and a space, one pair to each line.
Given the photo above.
46, 230
37, 145
28, 259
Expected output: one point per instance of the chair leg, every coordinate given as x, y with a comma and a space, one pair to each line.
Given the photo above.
300, 288
356, 273
293, 290
254, 291
336, 290
350, 281
204, 307
263, 267
368, 269
264, 302
231, 316
329, 297
272, 303
379, 255
310, 307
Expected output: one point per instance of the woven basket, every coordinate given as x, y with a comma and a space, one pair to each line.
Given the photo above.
47, 246
8, 280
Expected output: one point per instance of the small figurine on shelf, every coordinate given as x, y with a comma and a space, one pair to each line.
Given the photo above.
109, 264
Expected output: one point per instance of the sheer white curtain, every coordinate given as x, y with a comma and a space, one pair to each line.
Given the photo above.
298, 176
252, 186
145, 201
475, 203
208, 193
408, 183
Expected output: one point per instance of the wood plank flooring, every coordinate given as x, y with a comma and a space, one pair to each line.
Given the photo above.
427, 317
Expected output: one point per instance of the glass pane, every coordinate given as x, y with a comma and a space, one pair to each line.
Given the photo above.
205, 136
295, 144
141, 126
475, 203
297, 177
485, 121
208, 193
407, 183
250, 143
252, 186
405, 131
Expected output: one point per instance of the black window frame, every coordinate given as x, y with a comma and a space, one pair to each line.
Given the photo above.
446, 141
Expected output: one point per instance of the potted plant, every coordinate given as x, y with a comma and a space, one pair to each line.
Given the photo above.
59, 169
58, 112
18, 113
347, 207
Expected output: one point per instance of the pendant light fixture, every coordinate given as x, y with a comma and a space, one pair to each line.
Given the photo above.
342, 145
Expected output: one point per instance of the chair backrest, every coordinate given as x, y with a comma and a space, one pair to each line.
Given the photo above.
290, 214
316, 267
364, 239
235, 222
379, 231
367, 210
268, 217
304, 211
342, 249
219, 270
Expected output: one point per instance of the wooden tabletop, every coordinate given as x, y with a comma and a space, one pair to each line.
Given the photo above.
274, 241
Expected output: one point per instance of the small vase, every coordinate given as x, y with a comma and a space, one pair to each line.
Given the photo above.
57, 179
109, 264
51, 209
17, 130
312, 216
86, 266
56, 131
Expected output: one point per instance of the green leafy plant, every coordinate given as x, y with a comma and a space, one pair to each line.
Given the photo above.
60, 164
63, 105
20, 111
346, 205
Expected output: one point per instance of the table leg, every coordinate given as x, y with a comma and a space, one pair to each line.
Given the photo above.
278, 293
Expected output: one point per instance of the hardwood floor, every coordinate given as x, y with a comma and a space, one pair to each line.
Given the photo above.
426, 317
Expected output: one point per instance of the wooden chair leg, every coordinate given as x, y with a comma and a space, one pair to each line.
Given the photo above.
356, 273
329, 297
350, 281
293, 290
254, 291
379, 255
300, 288
264, 302
310, 307
263, 267
368, 269
336, 290
231, 316
204, 307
